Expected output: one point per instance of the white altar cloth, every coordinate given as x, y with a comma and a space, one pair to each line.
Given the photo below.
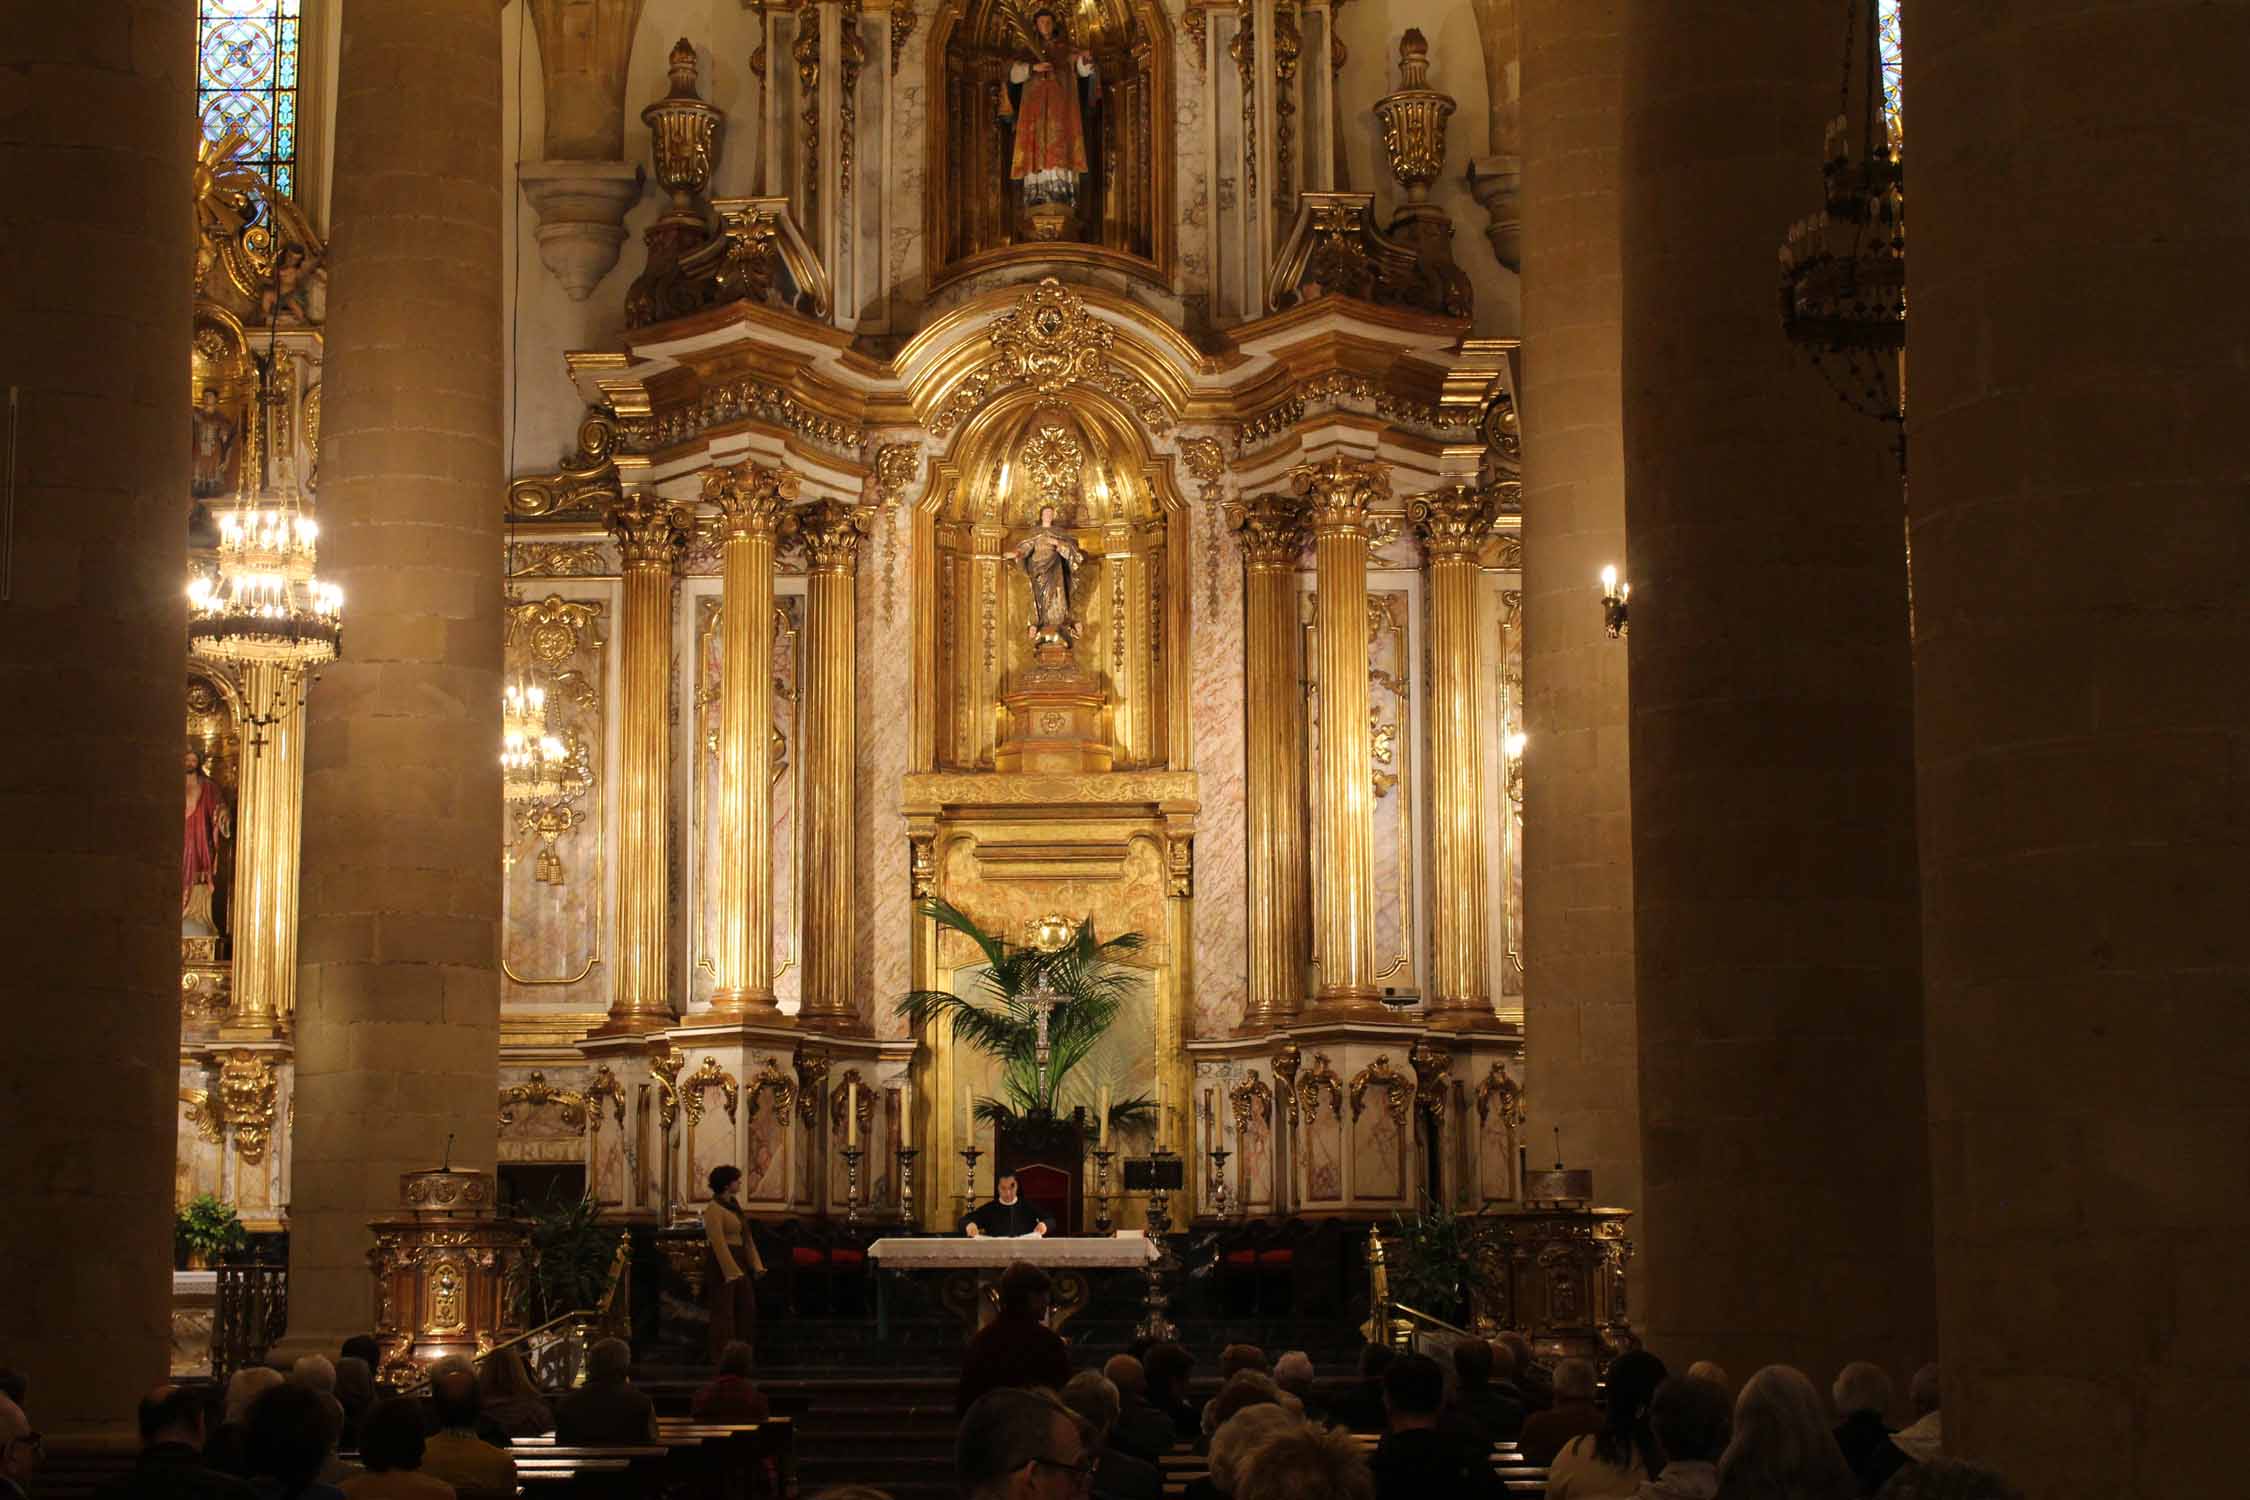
900, 1253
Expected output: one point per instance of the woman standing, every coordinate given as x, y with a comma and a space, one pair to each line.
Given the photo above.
730, 1264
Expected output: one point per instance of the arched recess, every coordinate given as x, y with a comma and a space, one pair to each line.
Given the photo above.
976, 214
1083, 452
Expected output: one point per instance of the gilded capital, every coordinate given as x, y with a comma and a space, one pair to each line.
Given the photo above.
649, 529
831, 531
750, 498
1455, 522
1269, 528
1338, 494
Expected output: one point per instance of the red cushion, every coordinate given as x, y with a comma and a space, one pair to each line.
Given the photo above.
804, 1255
847, 1257
1244, 1258
1277, 1257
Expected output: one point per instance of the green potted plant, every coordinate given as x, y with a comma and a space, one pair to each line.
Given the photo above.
207, 1228
574, 1252
1092, 983
1432, 1254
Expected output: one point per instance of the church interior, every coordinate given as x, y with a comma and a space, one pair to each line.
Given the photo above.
1317, 644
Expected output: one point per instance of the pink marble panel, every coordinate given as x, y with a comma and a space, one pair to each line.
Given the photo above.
1221, 852
886, 691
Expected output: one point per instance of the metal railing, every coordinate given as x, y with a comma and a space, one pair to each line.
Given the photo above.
555, 1351
249, 1316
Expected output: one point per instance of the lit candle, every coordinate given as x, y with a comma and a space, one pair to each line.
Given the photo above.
851, 1115
1104, 1106
905, 1121
968, 1122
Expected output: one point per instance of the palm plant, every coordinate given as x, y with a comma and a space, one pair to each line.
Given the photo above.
1092, 983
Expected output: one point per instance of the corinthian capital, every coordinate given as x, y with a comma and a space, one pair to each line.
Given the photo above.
1270, 529
831, 531
648, 529
1455, 522
750, 498
1338, 494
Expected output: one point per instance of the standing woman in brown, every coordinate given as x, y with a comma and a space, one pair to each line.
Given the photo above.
730, 1264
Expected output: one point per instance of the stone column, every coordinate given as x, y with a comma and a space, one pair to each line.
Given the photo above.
1787, 1194
1580, 1058
398, 1025
270, 812
830, 759
1336, 496
1271, 532
94, 634
1455, 523
2083, 733
650, 536
751, 502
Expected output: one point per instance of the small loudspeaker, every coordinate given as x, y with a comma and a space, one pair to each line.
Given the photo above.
1150, 1174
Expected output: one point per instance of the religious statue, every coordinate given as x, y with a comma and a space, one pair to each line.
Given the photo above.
209, 827
213, 443
1050, 122
296, 281
1050, 558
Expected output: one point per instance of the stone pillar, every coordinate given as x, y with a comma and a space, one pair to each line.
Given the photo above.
270, 812
94, 633
1336, 496
398, 1023
650, 536
1271, 532
830, 759
1580, 1055
2079, 539
751, 502
1787, 1192
1455, 523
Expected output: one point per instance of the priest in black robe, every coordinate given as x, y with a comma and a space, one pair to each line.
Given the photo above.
1007, 1216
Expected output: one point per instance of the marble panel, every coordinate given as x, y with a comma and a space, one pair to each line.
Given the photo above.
885, 891
1216, 695
557, 877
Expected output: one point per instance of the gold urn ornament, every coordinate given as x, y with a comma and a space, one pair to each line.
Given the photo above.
1414, 120
684, 136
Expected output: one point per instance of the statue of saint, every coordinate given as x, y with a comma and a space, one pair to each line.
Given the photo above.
1050, 558
213, 442
1049, 114
209, 825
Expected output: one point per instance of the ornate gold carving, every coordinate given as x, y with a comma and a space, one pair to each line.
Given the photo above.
1286, 1061
649, 531
1244, 50
604, 1086
538, 1093
922, 868
1270, 529
1433, 1078
1052, 460
207, 1120
1500, 1091
1206, 460
1455, 522
854, 48
247, 1089
664, 1070
1400, 1092
1251, 1096
1413, 119
1049, 339
751, 498
586, 482
683, 132
838, 1094
1322, 1076
770, 1077
559, 560
832, 531
1194, 22
1338, 494
1334, 248
709, 1075
896, 465
806, 54
903, 19
1179, 850
809, 1061
1286, 45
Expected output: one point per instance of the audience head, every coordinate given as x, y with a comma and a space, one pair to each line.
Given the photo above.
1472, 1364
314, 1373
246, 1386
393, 1437
1374, 1359
1024, 1289
1861, 1386
1625, 1437
1090, 1394
172, 1414
1782, 1444
1168, 1366
288, 1435
1704, 1369
723, 1180
1242, 1435
1305, 1462
737, 1358
1293, 1372
505, 1377
1413, 1388
1235, 1358
1574, 1380
457, 1400
355, 1383
1503, 1360
1922, 1390
1247, 1389
1691, 1418
1947, 1479
1018, 1445
1125, 1372
361, 1346
609, 1360
20, 1449
1518, 1347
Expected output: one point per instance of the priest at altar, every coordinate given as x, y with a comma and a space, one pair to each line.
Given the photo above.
1007, 1216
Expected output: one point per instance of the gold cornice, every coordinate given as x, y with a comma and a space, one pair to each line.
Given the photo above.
929, 793
748, 316
1404, 320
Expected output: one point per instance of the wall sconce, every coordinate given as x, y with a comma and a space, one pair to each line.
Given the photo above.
1615, 591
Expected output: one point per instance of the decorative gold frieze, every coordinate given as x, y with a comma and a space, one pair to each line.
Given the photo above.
585, 484
559, 560
1249, 1098
1321, 1077
1050, 342
708, 1075
784, 1090
604, 1087
1398, 1093
537, 1093
247, 1090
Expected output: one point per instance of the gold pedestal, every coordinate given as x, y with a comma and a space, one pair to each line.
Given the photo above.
451, 1275
1054, 717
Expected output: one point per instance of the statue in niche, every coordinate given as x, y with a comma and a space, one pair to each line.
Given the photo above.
1048, 106
209, 830
1050, 558
214, 433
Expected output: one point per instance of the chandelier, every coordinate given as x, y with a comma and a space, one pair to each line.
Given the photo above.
532, 756
1843, 269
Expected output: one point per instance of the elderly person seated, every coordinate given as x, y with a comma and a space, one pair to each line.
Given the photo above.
1245, 1390
1528, 1379
1306, 1462
1862, 1394
607, 1411
1574, 1414
1415, 1457
1293, 1372
1781, 1443
1690, 1418
1121, 1476
289, 1438
226, 1446
476, 1469
171, 1465
1480, 1412
1238, 1437
392, 1448
1141, 1430
731, 1397
1923, 1438
511, 1397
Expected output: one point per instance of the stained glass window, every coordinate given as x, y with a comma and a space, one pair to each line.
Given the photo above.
1886, 19
246, 80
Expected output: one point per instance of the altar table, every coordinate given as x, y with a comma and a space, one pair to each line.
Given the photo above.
988, 1256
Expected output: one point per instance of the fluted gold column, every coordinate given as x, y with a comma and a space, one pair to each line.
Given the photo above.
1337, 496
1454, 524
272, 817
650, 533
751, 500
1271, 532
829, 754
